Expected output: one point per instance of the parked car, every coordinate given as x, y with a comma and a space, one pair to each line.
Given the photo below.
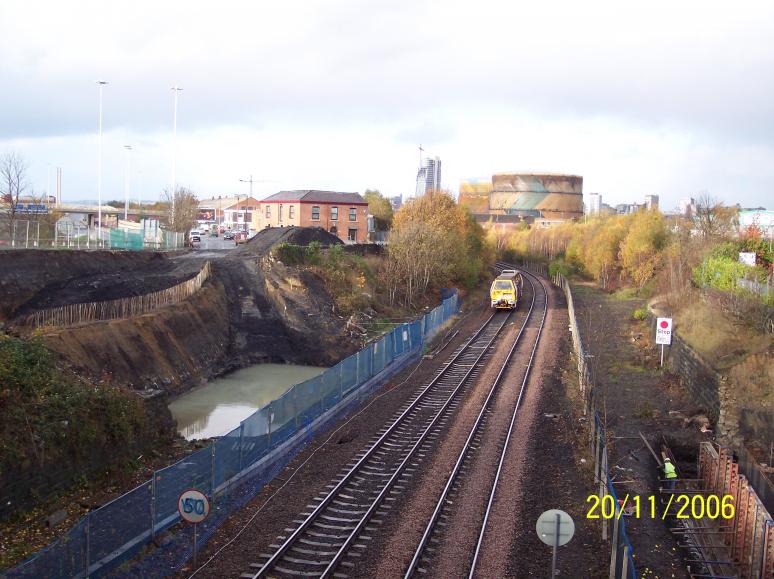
228, 235
196, 238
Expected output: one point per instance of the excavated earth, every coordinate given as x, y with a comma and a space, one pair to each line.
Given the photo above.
252, 309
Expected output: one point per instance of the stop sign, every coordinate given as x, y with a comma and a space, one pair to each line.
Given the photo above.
664, 331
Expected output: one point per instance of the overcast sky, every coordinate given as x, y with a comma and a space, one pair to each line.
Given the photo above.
663, 97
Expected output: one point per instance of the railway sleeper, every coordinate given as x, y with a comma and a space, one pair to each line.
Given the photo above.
296, 573
335, 544
316, 552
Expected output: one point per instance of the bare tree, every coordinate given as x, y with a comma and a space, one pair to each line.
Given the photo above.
712, 218
13, 184
183, 210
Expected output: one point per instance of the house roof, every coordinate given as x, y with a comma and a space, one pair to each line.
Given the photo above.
315, 196
219, 203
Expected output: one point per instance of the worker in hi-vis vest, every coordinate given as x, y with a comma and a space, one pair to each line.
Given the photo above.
670, 474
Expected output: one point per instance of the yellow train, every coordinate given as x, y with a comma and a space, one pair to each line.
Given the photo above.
504, 293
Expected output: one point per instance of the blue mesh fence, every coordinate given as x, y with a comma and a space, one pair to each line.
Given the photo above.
364, 364
134, 510
348, 373
115, 532
378, 350
192, 472
227, 450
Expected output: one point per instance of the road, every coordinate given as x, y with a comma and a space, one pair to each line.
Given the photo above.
213, 246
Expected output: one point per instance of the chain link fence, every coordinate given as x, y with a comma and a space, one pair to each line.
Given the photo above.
231, 470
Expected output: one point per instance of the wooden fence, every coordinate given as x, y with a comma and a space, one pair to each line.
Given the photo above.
116, 309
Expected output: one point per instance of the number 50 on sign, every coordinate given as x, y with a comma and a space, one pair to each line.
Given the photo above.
193, 506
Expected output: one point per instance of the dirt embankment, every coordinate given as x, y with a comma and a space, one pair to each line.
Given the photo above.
251, 310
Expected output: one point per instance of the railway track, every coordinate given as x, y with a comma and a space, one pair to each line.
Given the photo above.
336, 526
453, 536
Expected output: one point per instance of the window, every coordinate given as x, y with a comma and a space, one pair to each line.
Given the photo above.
334, 213
280, 212
292, 211
334, 230
315, 213
352, 234
352, 214
268, 211
503, 285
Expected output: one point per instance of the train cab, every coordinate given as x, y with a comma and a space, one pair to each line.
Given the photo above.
504, 293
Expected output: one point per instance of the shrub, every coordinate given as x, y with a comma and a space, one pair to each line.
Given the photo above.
289, 254
559, 266
640, 314
312, 252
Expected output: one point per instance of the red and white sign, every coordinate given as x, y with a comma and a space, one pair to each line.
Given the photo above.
664, 331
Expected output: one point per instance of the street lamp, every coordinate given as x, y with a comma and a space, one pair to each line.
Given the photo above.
128, 149
101, 84
175, 89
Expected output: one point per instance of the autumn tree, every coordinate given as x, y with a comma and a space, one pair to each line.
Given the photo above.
642, 246
182, 210
433, 242
380, 207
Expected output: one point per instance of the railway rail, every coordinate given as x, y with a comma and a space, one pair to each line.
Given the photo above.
337, 523
449, 533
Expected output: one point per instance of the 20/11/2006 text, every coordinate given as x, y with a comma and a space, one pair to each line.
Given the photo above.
685, 507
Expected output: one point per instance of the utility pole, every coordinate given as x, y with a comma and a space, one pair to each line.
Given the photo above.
127, 176
175, 89
101, 84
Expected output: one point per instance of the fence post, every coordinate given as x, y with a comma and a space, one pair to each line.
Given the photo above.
153, 507
241, 443
212, 474
614, 547
603, 488
88, 553
271, 417
341, 381
625, 562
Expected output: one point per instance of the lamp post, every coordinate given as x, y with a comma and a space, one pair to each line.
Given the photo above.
101, 84
128, 149
175, 89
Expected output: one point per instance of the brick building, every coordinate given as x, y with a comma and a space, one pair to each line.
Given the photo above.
343, 214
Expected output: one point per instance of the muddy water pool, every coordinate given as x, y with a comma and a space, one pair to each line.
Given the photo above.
220, 405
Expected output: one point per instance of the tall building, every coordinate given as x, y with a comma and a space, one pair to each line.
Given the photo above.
651, 202
595, 204
429, 176
396, 202
687, 207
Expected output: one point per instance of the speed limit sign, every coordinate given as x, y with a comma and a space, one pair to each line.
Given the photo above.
193, 506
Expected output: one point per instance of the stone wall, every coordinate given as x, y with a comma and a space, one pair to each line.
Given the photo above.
740, 402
